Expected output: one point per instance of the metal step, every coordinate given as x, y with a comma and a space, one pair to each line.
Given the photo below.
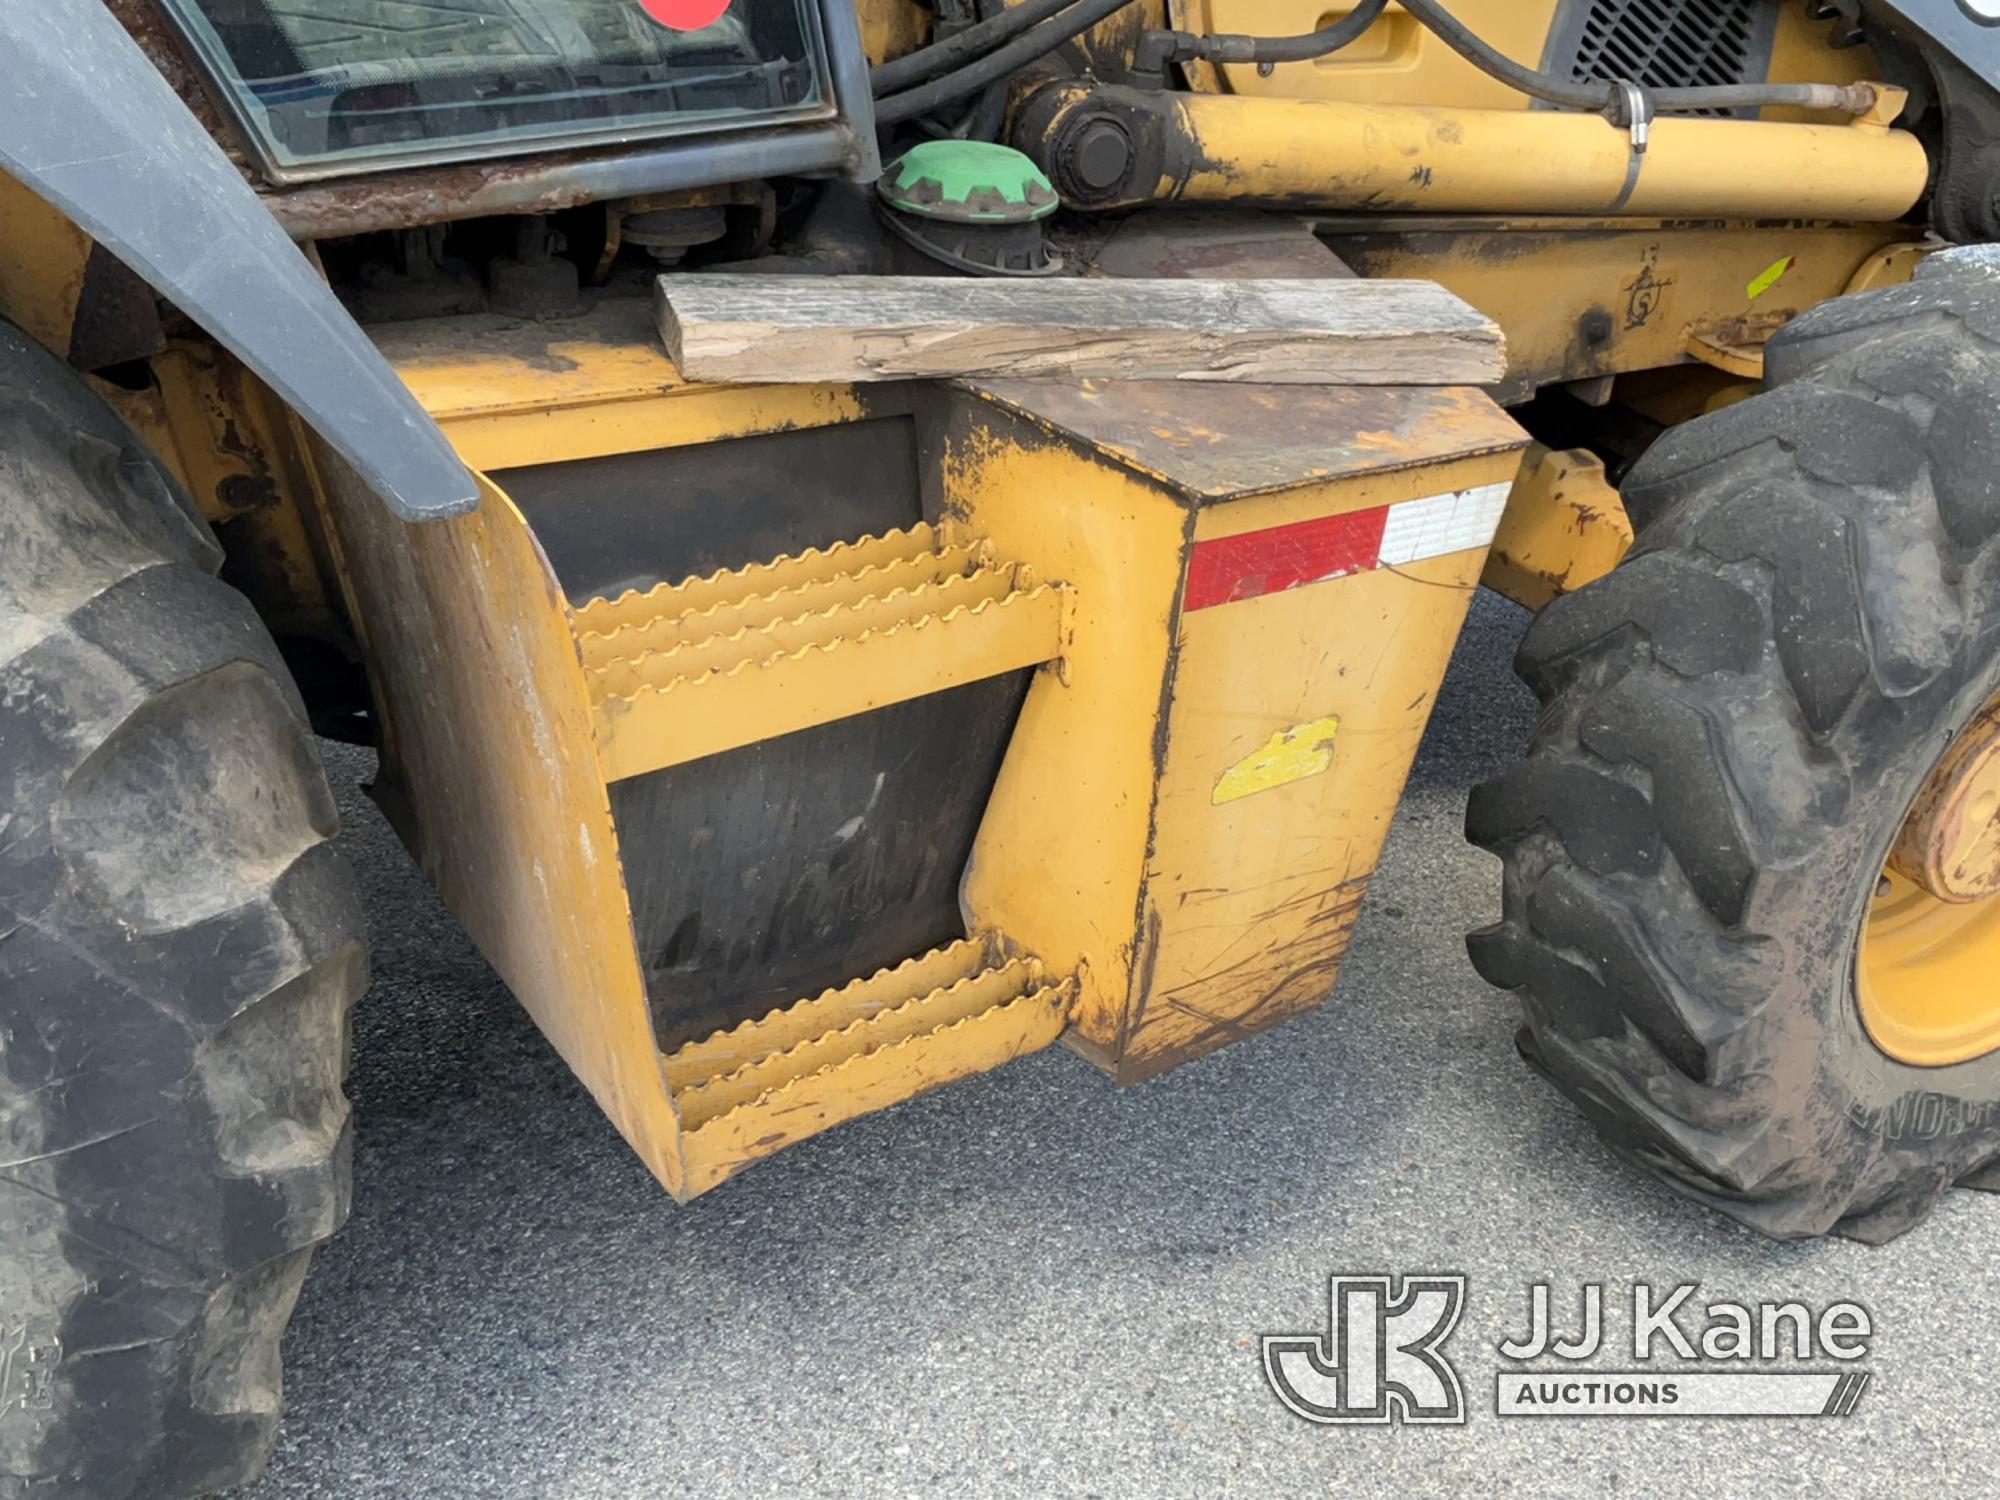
708, 665
750, 1091
605, 617
638, 624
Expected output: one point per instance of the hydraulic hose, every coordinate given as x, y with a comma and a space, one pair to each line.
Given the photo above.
1001, 61
1050, 23
965, 46
1187, 46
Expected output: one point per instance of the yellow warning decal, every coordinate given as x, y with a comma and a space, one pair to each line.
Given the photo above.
1769, 277
1289, 755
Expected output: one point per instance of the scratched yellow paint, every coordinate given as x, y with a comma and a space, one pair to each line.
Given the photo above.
1289, 755
1247, 908
1769, 277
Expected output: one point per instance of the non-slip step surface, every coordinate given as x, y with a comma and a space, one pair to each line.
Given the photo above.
712, 664
635, 607
660, 631
952, 1013
688, 659
834, 1010
945, 1006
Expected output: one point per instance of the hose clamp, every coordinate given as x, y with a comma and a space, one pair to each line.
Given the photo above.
1638, 112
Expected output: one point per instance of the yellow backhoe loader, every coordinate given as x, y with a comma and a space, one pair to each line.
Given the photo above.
793, 746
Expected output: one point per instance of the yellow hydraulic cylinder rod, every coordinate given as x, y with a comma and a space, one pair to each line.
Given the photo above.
1115, 147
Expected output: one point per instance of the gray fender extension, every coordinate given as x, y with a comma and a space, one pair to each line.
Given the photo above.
87, 123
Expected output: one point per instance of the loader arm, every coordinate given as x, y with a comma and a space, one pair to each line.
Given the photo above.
88, 124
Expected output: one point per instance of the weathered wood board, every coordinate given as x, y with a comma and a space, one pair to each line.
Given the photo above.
790, 329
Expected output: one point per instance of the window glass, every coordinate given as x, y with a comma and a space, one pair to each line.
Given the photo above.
327, 84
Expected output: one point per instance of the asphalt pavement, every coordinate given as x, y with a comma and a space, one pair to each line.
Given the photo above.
1034, 1285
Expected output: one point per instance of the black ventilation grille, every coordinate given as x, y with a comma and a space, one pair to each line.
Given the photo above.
1664, 44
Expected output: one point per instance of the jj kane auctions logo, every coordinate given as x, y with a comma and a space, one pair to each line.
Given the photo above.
1382, 1357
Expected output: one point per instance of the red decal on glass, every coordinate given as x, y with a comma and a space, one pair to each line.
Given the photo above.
685, 15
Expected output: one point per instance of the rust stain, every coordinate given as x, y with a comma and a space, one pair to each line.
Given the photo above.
148, 25
1225, 440
1950, 843
426, 195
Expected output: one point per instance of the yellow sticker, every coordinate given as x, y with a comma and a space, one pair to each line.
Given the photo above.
1289, 755
1769, 277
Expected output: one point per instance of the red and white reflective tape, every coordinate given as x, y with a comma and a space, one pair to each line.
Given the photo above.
1254, 563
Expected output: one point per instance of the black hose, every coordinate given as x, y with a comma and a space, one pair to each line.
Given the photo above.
1530, 81
1608, 98
1058, 22
954, 51
1341, 33
986, 115
1230, 48
997, 64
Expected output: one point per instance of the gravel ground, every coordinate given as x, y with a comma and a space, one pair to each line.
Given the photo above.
1032, 1285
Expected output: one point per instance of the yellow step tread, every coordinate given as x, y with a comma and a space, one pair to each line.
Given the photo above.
794, 569
701, 1102
862, 1084
830, 1010
763, 644
728, 617
821, 681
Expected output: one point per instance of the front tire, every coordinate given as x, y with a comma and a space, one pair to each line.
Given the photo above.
179, 948
1735, 723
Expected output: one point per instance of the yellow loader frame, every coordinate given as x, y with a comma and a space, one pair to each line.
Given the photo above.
1236, 604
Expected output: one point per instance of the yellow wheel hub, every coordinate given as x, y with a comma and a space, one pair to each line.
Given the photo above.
1928, 975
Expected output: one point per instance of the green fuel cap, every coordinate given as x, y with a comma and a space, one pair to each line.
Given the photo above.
974, 205
967, 182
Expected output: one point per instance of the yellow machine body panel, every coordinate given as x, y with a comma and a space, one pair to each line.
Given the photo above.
1145, 829
490, 776
510, 392
1294, 720
1606, 297
1395, 61
1565, 525
1234, 607
1078, 777
43, 258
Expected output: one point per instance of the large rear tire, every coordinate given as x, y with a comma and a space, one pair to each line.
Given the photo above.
1736, 722
179, 948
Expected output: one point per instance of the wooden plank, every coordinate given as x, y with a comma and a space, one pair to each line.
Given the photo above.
810, 329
